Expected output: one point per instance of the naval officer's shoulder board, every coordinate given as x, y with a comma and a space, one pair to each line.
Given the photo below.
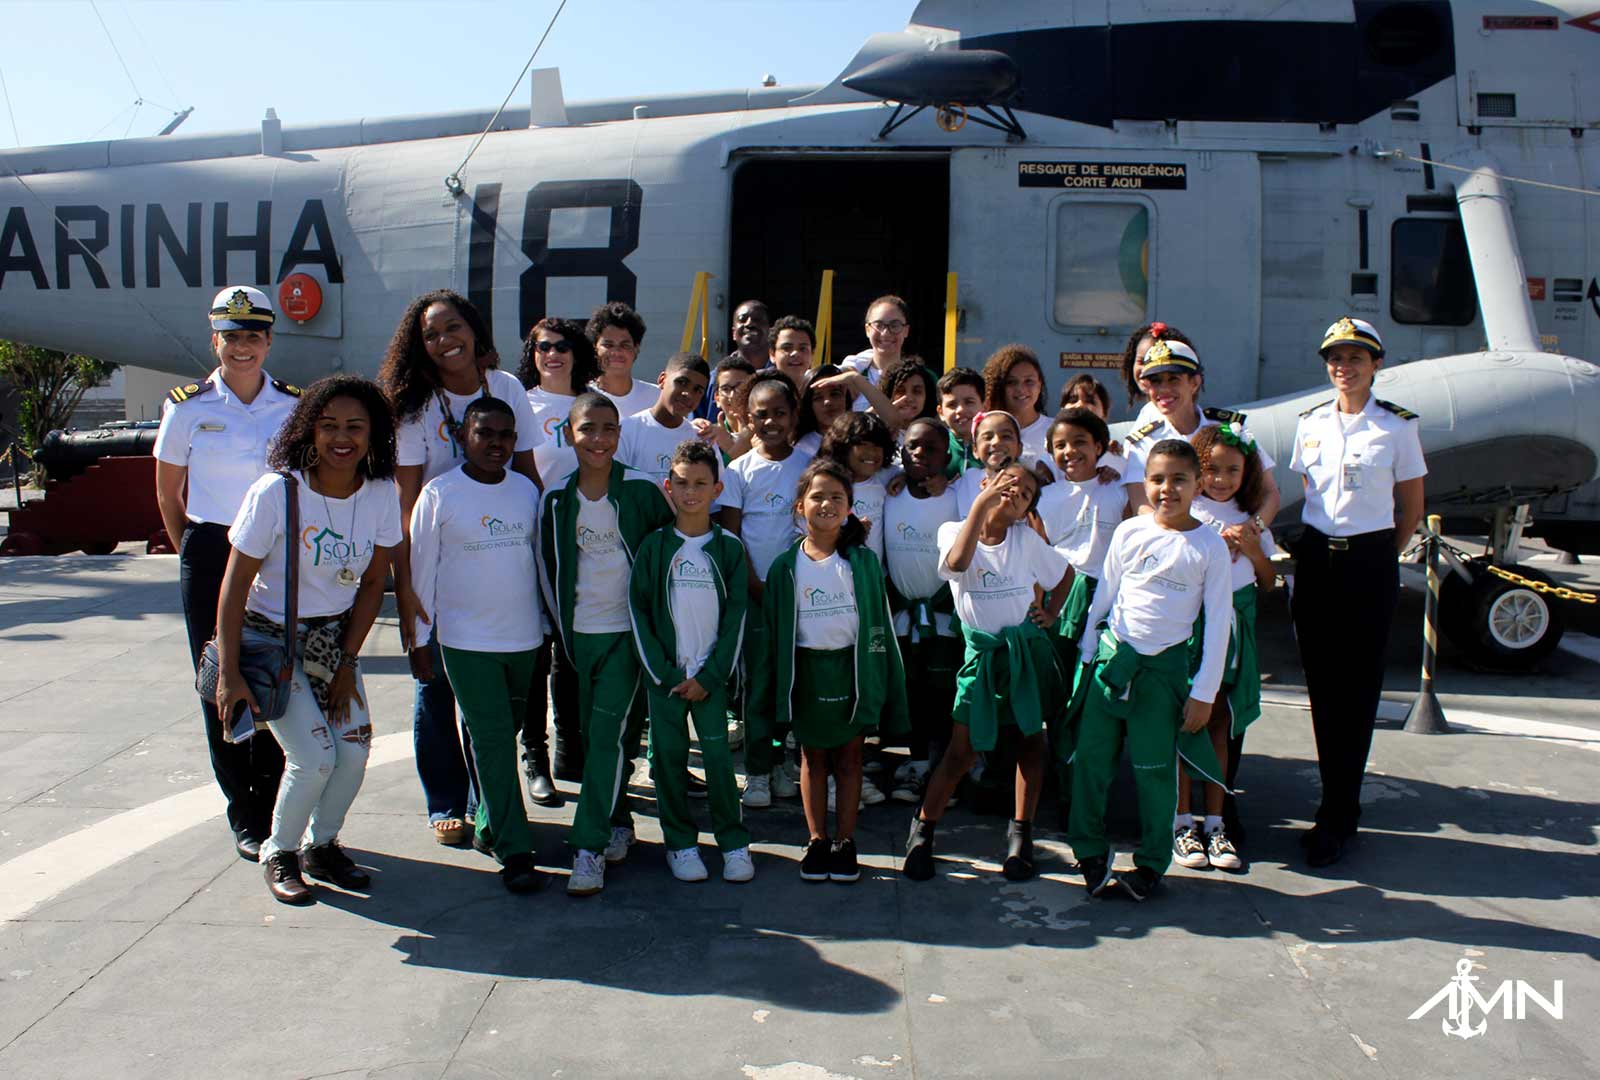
188, 392
1136, 437
286, 388
1318, 405
1399, 410
1223, 416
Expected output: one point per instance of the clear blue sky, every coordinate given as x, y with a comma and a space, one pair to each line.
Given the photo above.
337, 59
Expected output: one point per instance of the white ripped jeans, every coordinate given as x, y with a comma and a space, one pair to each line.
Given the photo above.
322, 768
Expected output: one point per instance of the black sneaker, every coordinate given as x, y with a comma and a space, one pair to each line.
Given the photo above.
842, 865
814, 864
1139, 882
480, 845
918, 865
521, 876
1018, 865
1096, 871
328, 862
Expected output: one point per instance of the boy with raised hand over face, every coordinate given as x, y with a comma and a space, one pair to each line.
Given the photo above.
687, 599
472, 534
649, 438
589, 529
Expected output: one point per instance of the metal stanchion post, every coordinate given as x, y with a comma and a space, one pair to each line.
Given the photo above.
1426, 716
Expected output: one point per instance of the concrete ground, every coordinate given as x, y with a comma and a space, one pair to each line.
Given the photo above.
134, 942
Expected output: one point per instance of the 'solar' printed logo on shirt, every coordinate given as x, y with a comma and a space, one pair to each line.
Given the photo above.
495, 527
597, 541
816, 600
327, 546
775, 502
689, 570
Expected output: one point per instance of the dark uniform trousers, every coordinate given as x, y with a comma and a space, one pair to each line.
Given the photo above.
555, 687
1345, 591
247, 772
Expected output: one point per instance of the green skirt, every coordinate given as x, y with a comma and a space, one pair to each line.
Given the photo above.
1241, 671
824, 701
1241, 675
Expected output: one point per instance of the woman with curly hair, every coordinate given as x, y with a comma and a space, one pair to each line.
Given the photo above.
1013, 381
335, 457
439, 361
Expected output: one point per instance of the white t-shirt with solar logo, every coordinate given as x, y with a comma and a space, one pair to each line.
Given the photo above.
602, 594
764, 491
472, 563
911, 548
648, 445
993, 593
825, 603
692, 597
335, 535
554, 455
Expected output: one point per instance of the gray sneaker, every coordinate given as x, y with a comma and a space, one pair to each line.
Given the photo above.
621, 841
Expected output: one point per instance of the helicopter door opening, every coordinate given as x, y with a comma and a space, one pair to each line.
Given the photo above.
880, 224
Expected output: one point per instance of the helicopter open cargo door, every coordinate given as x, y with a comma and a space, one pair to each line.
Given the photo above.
1067, 251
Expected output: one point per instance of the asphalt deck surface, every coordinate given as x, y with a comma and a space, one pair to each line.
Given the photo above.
134, 943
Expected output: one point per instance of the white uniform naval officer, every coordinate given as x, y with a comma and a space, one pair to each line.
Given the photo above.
1361, 461
211, 447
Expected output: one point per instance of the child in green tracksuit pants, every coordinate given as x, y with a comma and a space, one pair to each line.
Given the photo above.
835, 672
589, 529
1161, 569
687, 597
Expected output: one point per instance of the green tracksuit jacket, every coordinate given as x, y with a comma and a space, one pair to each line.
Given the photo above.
650, 608
641, 510
880, 676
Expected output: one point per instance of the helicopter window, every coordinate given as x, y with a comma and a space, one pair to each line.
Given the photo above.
1431, 273
1101, 274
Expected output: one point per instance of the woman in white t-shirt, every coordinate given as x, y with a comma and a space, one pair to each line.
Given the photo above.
557, 363
440, 360
340, 442
888, 327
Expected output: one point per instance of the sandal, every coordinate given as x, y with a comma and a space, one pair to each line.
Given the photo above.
450, 831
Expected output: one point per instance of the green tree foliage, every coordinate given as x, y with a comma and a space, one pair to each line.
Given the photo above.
49, 384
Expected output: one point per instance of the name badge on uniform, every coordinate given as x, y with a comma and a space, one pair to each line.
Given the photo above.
213, 427
1310, 444
1352, 476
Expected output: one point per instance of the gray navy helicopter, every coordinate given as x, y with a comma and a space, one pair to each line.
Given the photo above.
1247, 170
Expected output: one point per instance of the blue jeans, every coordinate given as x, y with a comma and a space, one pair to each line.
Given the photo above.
323, 766
443, 748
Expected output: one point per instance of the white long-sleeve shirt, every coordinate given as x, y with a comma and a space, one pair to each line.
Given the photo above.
1154, 585
472, 563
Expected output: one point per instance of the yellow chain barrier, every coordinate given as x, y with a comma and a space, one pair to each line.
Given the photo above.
1560, 592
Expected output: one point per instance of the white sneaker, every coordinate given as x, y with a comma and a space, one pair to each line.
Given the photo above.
873, 765
783, 786
735, 734
621, 841
791, 769
903, 772
588, 874
737, 865
686, 865
870, 795
757, 792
